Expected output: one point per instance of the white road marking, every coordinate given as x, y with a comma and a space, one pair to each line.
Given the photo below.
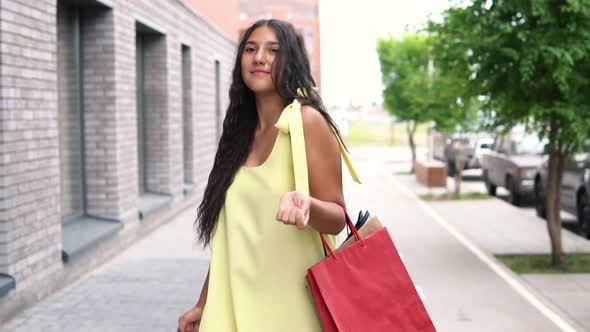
494, 265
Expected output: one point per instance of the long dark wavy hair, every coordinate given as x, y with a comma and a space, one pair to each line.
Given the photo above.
290, 71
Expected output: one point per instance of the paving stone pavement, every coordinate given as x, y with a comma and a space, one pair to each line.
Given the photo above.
148, 286
145, 288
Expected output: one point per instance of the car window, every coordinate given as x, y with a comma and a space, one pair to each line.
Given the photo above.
528, 145
497, 144
583, 157
505, 146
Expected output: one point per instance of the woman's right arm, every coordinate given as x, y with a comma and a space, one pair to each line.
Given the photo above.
191, 320
203, 297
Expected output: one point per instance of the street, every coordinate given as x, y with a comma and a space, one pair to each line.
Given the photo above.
460, 291
148, 286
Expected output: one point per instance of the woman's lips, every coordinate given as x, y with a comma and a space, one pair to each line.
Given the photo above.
260, 72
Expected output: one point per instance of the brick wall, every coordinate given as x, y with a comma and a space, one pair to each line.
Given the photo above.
177, 31
32, 120
29, 174
99, 91
156, 116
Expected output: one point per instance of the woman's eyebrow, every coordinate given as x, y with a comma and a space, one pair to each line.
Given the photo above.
271, 43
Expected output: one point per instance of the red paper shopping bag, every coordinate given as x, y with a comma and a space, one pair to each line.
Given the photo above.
366, 287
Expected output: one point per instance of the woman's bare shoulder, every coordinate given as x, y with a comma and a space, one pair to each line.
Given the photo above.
318, 132
313, 119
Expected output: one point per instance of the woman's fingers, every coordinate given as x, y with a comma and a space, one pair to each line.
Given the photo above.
192, 328
300, 221
293, 215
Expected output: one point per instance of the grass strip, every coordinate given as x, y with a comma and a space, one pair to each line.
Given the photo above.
452, 197
573, 263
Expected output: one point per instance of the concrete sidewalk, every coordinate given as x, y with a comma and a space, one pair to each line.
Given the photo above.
463, 288
497, 227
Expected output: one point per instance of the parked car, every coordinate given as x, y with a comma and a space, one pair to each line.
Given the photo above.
512, 163
481, 146
443, 149
575, 190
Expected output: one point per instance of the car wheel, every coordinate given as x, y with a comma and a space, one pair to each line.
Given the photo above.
451, 168
540, 200
584, 215
489, 186
513, 195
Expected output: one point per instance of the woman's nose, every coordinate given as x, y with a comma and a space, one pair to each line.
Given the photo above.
259, 57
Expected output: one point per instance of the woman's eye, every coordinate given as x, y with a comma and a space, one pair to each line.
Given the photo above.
274, 50
250, 49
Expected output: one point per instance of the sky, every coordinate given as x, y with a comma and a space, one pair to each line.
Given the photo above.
348, 35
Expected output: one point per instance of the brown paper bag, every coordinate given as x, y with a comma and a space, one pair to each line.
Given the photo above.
369, 227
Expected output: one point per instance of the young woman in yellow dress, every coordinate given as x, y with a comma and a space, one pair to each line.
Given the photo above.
263, 233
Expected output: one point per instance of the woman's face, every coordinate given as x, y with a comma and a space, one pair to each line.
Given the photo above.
257, 59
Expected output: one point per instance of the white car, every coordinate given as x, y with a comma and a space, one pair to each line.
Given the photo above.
482, 145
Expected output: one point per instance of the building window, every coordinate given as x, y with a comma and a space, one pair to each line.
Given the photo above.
85, 56
187, 114
218, 114
141, 139
151, 108
70, 111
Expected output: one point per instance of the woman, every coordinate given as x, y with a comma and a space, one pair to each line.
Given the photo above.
263, 233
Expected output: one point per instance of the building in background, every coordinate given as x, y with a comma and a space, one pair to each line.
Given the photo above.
303, 14
111, 113
223, 14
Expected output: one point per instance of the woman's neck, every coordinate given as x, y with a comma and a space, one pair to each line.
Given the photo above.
269, 108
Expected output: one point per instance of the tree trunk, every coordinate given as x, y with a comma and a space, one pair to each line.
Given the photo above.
411, 129
553, 199
391, 132
458, 151
459, 164
445, 159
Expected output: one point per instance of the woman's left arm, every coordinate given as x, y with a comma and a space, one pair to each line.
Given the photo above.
322, 209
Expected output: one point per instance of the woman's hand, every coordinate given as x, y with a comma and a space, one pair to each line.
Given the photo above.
190, 320
294, 209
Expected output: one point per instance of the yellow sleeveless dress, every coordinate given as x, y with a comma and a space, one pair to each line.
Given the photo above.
258, 265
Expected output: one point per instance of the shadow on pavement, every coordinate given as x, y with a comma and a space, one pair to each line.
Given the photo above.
472, 178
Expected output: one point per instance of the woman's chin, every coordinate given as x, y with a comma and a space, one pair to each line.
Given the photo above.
261, 89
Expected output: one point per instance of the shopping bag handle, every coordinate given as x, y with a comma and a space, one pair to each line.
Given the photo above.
355, 232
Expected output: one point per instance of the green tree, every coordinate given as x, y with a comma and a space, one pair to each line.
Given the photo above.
404, 72
529, 59
416, 93
452, 110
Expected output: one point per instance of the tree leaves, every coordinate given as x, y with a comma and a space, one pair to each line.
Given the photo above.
404, 68
530, 58
413, 93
